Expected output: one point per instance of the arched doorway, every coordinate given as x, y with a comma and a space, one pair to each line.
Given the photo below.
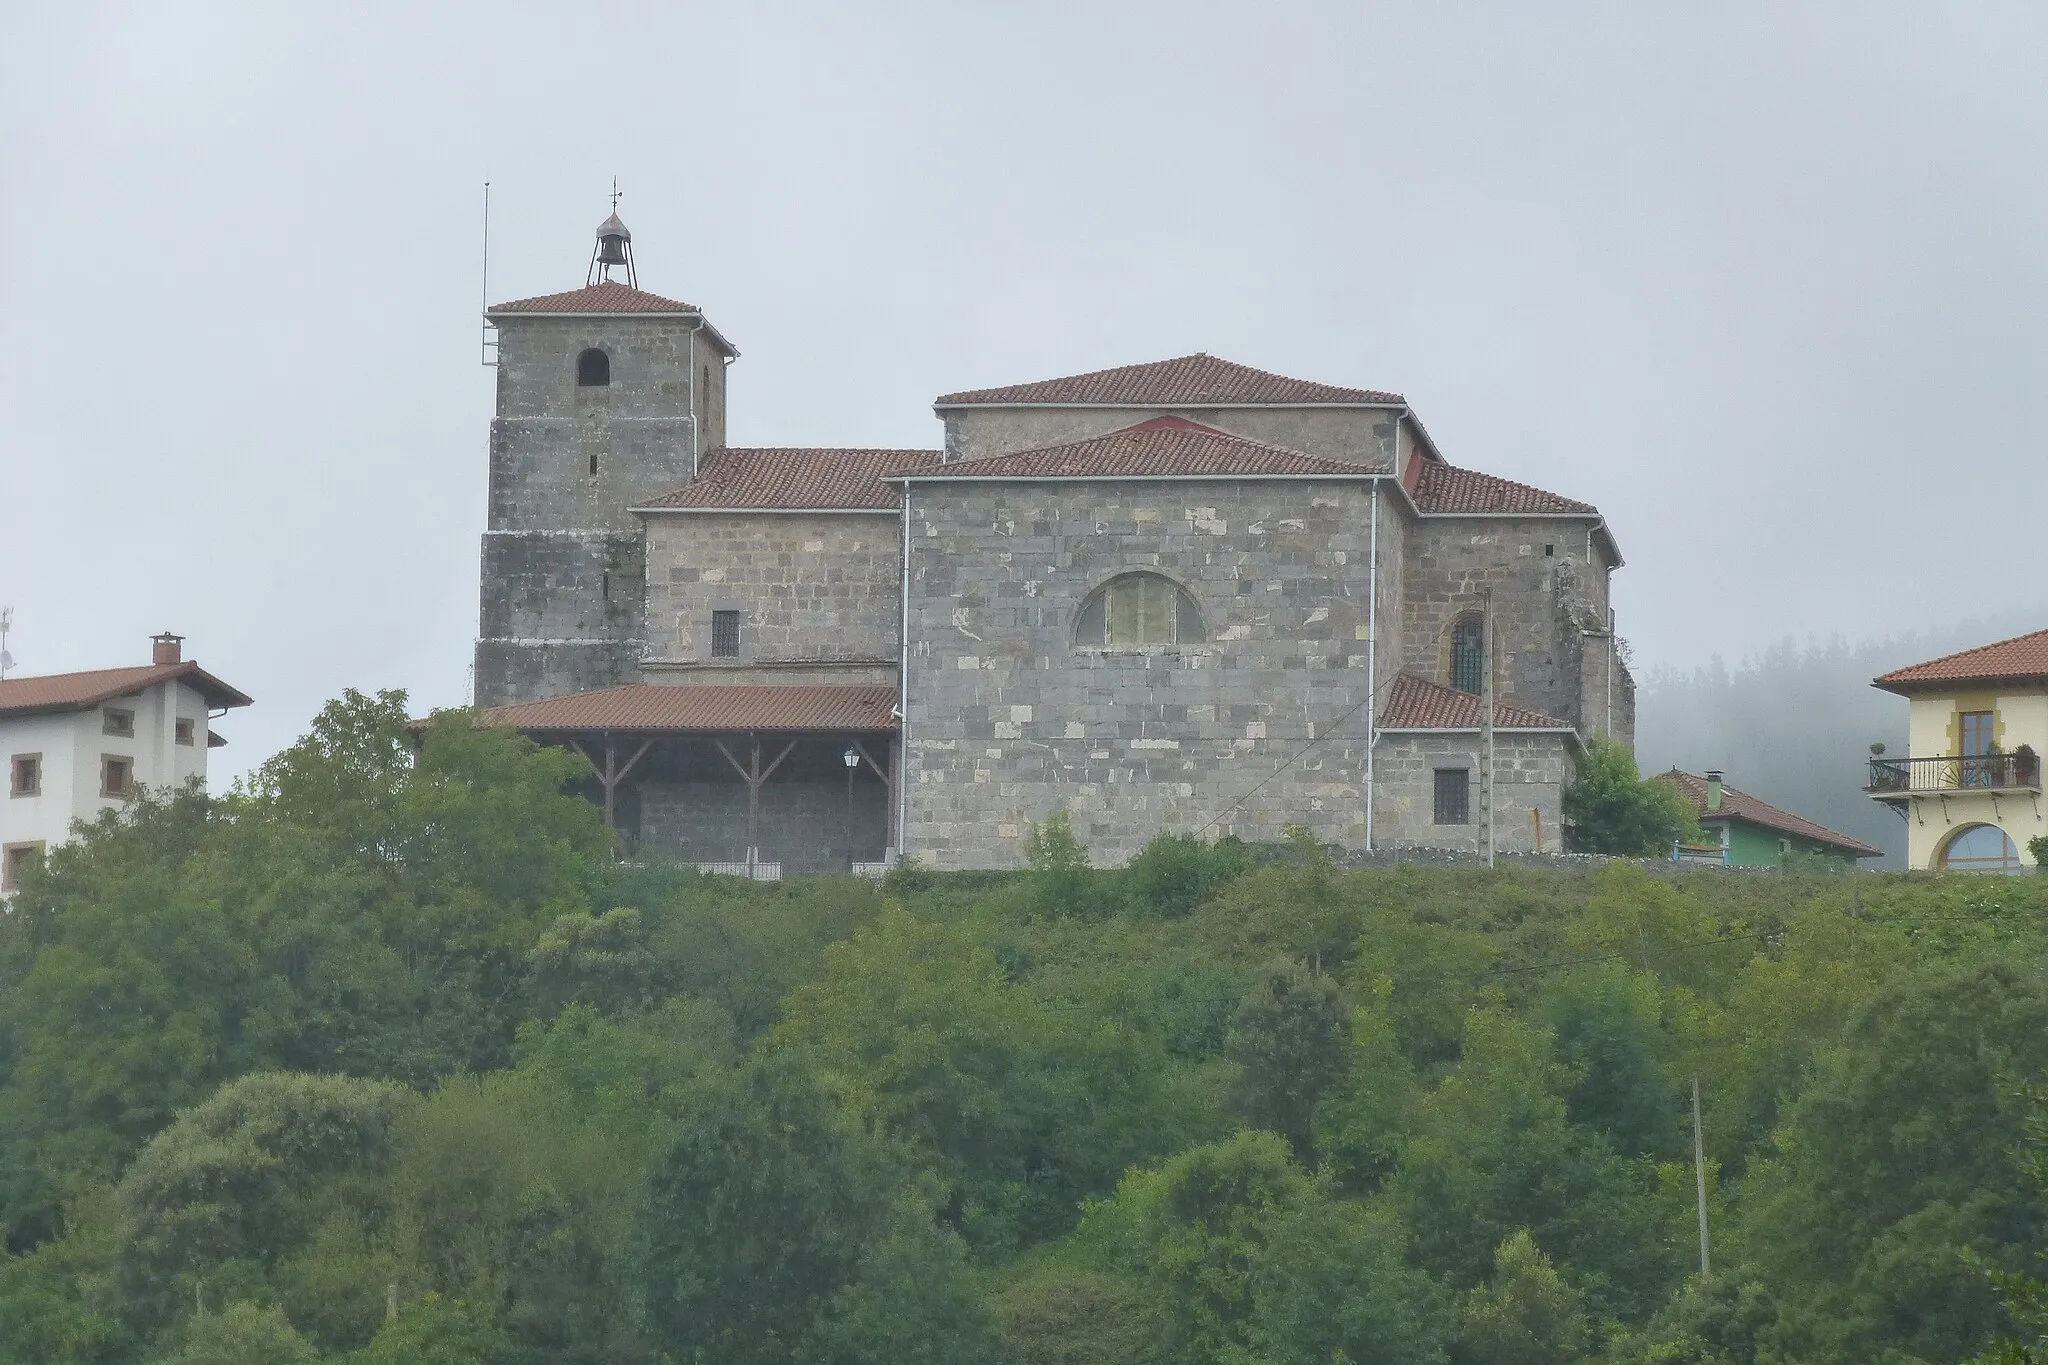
1980, 848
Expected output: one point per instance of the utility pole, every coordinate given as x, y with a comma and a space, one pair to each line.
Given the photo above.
1486, 719
1699, 1171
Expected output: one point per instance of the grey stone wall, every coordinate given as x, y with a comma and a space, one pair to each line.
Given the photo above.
1542, 602
692, 807
1530, 773
562, 590
1009, 719
809, 587
1361, 436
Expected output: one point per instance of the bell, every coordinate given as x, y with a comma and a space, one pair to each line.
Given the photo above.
612, 238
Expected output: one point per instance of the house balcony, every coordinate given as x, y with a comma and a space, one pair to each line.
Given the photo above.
1899, 779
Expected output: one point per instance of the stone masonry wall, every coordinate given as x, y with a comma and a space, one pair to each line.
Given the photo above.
1362, 436
1539, 601
810, 587
1009, 719
1530, 773
692, 807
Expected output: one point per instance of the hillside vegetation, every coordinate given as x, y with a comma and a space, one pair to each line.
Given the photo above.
384, 1059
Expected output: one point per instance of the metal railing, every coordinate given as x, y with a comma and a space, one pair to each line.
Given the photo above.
1956, 772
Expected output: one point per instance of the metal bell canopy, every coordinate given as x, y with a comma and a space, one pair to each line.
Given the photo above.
614, 248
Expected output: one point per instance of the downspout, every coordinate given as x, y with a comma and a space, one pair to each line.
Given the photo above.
696, 427
1372, 649
903, 694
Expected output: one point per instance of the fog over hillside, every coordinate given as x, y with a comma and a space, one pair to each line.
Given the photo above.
1794, 725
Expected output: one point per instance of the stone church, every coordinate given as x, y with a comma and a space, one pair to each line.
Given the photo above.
1186, 595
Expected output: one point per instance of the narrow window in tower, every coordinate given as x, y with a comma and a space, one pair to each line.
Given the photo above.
593, 464
607, 587
593, 369
725, 635
1467, 653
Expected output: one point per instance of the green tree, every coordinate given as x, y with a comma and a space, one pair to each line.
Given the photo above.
776, 1231
435, 1331
1062, 882
243, 1335
1525, 1315
1177, 872
1609, 807
1291, 1041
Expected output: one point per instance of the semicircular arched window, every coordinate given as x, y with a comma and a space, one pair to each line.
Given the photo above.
1468, 653
1136, 609
593, 369
1981, 848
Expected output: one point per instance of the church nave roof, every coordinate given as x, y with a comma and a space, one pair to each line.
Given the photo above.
1199, 380
1162, 448
793, 479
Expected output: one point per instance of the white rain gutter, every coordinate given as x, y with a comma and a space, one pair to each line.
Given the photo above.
1372, 644
903, 695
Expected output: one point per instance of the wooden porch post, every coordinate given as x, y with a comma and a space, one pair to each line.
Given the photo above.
755, 776
888, 776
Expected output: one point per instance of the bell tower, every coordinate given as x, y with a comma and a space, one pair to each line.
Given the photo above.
608, 395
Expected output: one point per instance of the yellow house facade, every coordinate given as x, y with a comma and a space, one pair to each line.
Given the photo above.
1969, 788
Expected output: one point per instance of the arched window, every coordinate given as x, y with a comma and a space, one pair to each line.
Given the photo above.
1980, 848
1139, 609
1468, 653
593, 369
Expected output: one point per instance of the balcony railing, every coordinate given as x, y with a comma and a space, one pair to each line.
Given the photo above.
1955, 772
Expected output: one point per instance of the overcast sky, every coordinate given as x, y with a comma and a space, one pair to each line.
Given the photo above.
1765, 282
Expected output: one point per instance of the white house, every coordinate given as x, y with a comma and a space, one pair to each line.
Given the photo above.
79, 743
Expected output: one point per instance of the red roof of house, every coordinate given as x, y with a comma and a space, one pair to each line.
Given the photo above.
2022, 658
83, 691
608, 297
1163, 447
1740, 805
1419, 704
1440, 488
787, 479
646, 709
1199, 380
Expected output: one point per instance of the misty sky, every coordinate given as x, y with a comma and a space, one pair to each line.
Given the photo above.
1765, 282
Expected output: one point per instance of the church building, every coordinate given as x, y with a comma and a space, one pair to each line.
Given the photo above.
1182, 596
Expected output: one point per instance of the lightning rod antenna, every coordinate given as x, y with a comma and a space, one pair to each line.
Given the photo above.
489, 347
6, 624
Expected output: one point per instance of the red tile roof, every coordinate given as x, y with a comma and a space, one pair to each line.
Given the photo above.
1440, 488
83, 691
608, 297
1418, 704
647, 709
2022, 658
1164, 447
1740, 805
1199, 380
787, 479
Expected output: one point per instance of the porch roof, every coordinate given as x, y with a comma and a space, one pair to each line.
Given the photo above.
646, 709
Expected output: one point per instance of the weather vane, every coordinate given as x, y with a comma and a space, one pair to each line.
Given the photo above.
615, 194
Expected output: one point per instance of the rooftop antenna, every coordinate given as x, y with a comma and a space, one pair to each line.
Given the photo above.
6, 624
490, 337
614, 247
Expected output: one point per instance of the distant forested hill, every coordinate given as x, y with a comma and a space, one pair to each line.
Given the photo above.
1794, 726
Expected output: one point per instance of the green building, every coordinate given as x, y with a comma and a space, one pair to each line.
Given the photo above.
1754, 833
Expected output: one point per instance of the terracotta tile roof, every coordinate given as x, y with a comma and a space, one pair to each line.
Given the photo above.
1419, 704
1164, 447
1440, 488
647, 709
1740, 805
794, 479
608, 297
2021, 657
82, 691
1198, 380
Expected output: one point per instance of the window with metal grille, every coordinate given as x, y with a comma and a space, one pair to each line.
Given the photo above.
1453, 796
1468, 653
115, 722
725, 635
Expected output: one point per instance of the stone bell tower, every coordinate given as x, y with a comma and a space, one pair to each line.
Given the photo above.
607, 395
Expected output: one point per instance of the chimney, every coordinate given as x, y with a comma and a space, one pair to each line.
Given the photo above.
1713, 789
165, 648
